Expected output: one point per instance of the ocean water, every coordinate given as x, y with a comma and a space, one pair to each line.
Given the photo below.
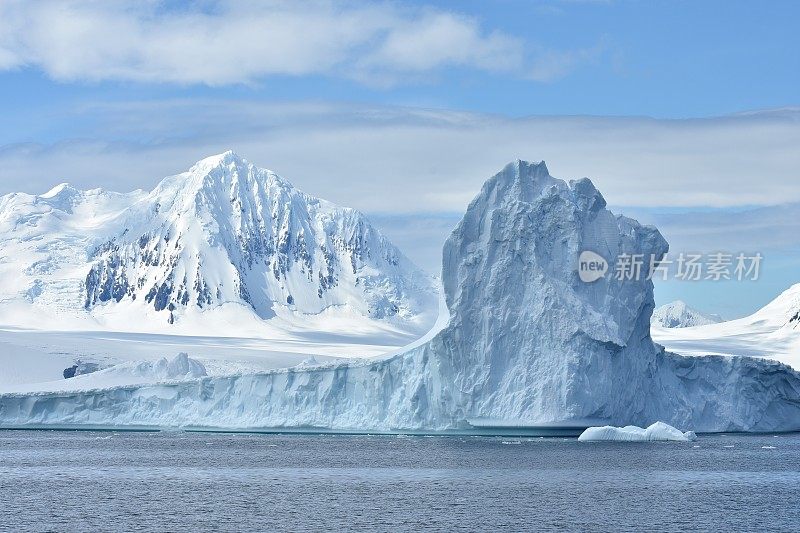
168, 481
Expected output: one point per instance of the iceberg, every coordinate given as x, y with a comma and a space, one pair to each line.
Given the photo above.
527, 344
658, 431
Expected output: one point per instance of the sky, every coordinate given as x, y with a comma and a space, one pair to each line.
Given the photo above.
402, 109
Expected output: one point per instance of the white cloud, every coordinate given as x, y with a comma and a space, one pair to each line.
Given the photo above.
227, 41
411, 160
445, 39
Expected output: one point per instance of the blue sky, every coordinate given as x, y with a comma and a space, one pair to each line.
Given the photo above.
666, 105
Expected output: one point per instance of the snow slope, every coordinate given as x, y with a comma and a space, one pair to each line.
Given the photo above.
771, 332
527, 345
679, 315
34, 360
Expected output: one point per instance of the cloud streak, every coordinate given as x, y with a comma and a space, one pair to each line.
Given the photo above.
403, 160
232, 42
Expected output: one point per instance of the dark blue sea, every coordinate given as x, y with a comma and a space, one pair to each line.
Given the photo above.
179, 481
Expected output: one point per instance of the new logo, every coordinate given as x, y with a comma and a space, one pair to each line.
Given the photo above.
591, 266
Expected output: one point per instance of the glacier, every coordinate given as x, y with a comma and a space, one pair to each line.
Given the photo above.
527, 344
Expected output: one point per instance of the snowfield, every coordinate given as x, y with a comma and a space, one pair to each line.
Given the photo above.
526, 344
34, 360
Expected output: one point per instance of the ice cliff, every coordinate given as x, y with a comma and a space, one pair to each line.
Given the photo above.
527, 344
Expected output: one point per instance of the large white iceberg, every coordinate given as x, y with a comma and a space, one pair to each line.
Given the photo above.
528, 344
654, 432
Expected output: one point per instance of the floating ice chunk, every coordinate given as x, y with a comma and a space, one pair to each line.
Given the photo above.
656, 431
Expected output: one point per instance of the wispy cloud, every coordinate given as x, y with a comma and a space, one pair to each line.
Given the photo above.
239, 41
414, 160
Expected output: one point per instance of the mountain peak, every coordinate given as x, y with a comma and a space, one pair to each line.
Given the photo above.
679, 314
228, 156
219, 175
62, 197
58, 190
225, 159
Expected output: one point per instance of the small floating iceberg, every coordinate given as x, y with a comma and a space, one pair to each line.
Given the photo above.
658, 431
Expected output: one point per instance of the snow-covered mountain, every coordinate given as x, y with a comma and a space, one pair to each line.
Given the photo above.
678, 314
528, 344
781, 313
773, 331
223, 246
